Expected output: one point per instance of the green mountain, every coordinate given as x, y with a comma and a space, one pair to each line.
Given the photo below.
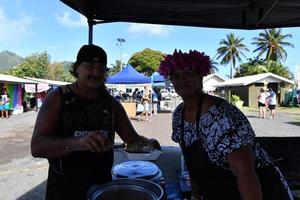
8, 60
67, 65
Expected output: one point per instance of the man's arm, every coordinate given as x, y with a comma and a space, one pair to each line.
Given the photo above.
45, 141
122, 124
126, 131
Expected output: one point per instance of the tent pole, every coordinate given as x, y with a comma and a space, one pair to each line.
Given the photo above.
91, 24
36, 96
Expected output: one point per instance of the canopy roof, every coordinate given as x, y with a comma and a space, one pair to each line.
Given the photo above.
258, 78
49, 82
237, 14
128, 76
15, 80
156, 77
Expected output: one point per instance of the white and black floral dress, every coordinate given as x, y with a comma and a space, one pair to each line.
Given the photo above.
206, 144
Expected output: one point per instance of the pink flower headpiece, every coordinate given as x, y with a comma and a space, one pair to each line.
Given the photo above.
194, 60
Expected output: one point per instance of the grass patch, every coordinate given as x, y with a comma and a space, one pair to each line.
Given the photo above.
280, 109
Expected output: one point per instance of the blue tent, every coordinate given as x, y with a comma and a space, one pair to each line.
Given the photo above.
156, 77
157, 80
128, 75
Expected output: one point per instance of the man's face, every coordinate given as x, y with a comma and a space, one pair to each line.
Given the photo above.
91, 73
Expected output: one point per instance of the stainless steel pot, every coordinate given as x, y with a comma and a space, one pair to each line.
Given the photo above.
126, 189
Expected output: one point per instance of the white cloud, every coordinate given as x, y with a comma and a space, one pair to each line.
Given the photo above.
65, 20
150, 29
12, 30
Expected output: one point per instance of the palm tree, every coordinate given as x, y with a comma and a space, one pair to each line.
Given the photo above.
271, 42
231, 50
115, 68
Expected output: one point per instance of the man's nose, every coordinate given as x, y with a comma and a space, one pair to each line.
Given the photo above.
99, 70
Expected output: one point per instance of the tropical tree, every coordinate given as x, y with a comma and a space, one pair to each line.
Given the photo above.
231, 50
57, 72
115, 68
258, 66
146, 61
35, 66
277, 68
252, 67
272, 42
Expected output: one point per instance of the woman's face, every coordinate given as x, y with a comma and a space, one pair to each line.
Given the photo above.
91, 74
186, 82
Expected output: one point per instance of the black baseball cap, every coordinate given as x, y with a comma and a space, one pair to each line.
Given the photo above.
91, 53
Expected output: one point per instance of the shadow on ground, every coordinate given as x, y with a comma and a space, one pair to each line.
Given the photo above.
294, 123
251, 116
36, 193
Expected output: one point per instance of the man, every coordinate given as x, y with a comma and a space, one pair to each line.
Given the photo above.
76, 126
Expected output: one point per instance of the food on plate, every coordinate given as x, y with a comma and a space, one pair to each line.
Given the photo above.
142, 145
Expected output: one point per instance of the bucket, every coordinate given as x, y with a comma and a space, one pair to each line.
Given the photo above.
126, 189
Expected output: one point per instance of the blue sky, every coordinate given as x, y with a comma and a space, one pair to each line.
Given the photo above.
35, 26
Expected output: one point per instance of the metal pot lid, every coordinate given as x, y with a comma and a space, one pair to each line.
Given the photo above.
135, 169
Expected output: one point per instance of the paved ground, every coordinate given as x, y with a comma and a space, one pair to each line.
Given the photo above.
23, 177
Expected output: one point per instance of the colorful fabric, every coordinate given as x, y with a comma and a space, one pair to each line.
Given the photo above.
14, 92
224, 128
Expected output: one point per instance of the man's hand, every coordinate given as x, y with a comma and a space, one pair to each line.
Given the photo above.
154, 143
95, 142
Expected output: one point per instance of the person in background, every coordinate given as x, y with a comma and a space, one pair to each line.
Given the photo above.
223, 158
150, 103
1, 106
146, 104
272, 101
262, 98
4, 107
155, 100
75, 129
135, 95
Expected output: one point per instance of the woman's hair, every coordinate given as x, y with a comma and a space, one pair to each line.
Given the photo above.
193, 60
89, 53
4, 91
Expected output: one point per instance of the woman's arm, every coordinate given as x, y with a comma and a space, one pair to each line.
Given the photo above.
242, 164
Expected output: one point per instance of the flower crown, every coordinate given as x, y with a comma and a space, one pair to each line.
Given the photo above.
195, 60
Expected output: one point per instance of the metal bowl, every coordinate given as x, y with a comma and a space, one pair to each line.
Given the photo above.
126, 189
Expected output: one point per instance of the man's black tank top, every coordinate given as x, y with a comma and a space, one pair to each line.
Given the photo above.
71, 176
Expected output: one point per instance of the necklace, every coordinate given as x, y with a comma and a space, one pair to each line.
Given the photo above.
83, 93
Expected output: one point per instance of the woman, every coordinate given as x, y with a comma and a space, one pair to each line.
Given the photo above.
75, 129
4, 105
146, 104
262, 99
218, 144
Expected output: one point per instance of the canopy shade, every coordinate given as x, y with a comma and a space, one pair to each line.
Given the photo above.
156, 77
236, 14
128, 75
41, 87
